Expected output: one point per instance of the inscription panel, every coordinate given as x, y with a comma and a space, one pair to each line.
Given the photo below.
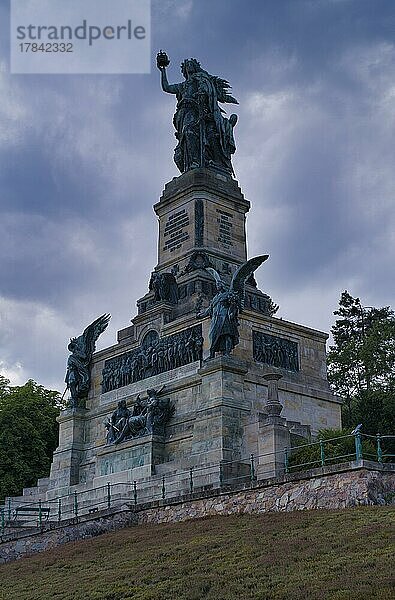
176, 230
275, 351
199, 222
225, 228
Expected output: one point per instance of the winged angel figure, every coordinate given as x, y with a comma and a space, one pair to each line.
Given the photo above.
78, 375
225, 307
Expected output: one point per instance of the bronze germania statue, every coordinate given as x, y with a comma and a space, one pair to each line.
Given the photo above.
204, 134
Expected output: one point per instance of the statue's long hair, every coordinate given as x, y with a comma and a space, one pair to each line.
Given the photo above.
193, 62
221, 86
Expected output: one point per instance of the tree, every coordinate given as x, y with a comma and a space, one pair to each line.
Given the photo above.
28, 434
361, 364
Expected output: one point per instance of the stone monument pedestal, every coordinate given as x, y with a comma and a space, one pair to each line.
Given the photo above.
274, 436
67, 457
137, 457
226, 408
218, 426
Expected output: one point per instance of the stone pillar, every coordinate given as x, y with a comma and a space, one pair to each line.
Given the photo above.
67, 456
218, 430
274, 436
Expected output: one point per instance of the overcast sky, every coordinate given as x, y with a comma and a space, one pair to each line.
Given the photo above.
84, 158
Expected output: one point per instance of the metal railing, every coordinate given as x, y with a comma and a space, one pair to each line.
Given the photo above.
376, 448
229, 474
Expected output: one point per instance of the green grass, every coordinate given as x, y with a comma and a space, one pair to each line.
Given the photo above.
341, 555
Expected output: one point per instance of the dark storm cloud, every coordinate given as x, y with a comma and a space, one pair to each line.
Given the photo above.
83, 158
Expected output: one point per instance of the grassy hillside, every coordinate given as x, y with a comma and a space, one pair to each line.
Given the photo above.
302, 555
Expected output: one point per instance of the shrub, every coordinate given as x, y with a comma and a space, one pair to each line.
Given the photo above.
338, 446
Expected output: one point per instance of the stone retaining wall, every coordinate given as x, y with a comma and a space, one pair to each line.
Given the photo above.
338, 486
26, 543
338, 490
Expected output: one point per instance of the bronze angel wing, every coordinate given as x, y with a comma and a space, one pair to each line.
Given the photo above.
92, 333
216, 275
243, 272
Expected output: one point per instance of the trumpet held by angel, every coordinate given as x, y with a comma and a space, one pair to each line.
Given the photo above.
226, 305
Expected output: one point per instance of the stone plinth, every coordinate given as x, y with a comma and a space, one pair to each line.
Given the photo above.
136, 456
202, 210
218, 426
67, 457
274, 436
